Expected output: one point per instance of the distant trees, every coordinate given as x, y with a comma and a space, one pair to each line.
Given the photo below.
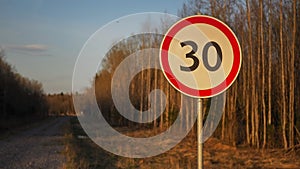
60, 104
141, 85
21, 99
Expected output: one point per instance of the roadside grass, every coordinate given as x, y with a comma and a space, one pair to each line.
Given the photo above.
82, 153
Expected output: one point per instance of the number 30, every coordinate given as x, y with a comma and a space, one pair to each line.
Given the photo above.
204, 56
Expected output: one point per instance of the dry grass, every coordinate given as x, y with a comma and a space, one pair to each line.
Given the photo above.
83, 154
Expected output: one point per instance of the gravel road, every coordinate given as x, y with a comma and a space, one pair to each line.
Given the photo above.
36, 148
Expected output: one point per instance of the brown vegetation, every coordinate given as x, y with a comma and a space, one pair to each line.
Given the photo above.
83, 153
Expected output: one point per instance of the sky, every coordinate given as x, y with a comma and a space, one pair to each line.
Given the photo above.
42, 38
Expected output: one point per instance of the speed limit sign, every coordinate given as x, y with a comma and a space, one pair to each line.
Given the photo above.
200, 56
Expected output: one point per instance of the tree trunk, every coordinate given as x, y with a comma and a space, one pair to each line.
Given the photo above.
223, 125
270, 66
252, 73
282, 80
161, 83
292, 78
263, 75
142, 91
149, 55
155, 98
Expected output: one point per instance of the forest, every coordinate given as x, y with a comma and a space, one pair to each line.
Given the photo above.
262, 106
22, 100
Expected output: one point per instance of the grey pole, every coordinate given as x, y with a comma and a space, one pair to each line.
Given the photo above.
199, 135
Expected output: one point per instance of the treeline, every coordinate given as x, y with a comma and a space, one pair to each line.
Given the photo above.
60, 104
21, 99
262, 105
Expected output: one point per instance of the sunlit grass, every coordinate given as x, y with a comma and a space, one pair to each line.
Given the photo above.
82, 153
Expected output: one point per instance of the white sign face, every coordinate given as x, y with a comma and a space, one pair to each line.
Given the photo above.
200, 56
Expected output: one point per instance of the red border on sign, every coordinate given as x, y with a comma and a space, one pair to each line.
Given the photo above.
235, 48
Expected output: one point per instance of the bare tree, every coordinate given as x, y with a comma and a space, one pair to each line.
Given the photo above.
292, 78
263, 75
252, 73
270, 63
282, 78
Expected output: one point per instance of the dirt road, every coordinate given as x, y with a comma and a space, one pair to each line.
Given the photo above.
36, 148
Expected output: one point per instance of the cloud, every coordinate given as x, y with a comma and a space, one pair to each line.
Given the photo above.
28, 48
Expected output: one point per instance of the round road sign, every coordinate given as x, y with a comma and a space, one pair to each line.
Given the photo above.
200, 56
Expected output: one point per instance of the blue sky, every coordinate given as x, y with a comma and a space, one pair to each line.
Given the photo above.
42, 39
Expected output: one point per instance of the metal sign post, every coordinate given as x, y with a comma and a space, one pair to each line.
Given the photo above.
200, 125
